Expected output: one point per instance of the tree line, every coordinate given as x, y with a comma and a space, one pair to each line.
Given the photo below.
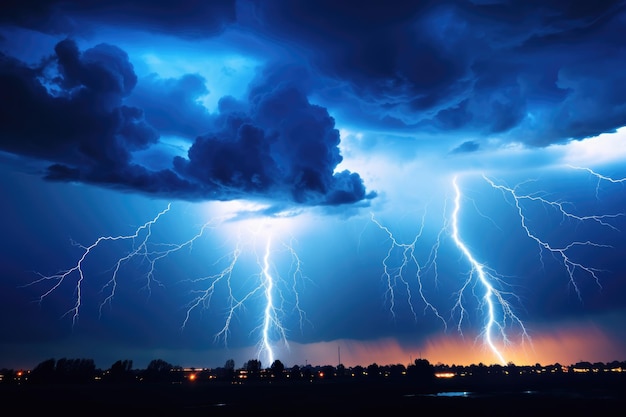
82, 371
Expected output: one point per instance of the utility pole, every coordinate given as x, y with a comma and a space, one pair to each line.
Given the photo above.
338, 355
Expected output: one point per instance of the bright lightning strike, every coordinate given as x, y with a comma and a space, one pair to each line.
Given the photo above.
500, 313
403, 269
270, 288
140, 250
561, 252
269, 318
271, 328
493, 298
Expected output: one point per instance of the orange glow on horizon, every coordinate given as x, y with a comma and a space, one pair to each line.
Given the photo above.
567, 345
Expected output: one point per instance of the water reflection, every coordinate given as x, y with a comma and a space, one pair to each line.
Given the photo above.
453, 394
590, 394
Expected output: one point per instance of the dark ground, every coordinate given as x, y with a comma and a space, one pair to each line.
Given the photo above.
307, 398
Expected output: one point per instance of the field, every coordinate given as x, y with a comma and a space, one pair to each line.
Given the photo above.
304, 399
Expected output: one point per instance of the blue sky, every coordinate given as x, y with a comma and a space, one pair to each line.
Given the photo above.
201, 181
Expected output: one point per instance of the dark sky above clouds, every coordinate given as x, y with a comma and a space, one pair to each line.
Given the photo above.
329, 114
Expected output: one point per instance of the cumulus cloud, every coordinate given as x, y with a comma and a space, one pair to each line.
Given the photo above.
72, 111
282, 144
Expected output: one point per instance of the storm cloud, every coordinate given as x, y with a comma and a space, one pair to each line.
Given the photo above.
71, 111
533, 72
525, 71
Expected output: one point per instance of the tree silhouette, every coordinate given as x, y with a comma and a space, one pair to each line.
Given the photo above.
230, 365
307, 372
159, 365
277, 369
120, 371
373, 371
44, 372
75, 370
253, 366
358, 371
397, 370
158, 370
341, 370
64, 371
227, 373
421, 371
295, 373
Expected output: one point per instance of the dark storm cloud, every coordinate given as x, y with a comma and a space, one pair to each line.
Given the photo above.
171, 105
70, 107
283, 145
541, 71
189, 18
389, 58
71, 111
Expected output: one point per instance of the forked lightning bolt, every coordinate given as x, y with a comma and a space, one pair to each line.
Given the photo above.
270, 287
561, 252
140, 250
394, 274
499, 310
490, 288
271, 329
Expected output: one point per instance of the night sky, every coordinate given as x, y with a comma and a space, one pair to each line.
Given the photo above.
312, 181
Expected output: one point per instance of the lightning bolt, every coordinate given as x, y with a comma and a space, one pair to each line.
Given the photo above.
394, 274
270, 318
140, 250
487, 285
499, 310
599, 177
273, 290
267, 288
561, 252
493, 298
272, 330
